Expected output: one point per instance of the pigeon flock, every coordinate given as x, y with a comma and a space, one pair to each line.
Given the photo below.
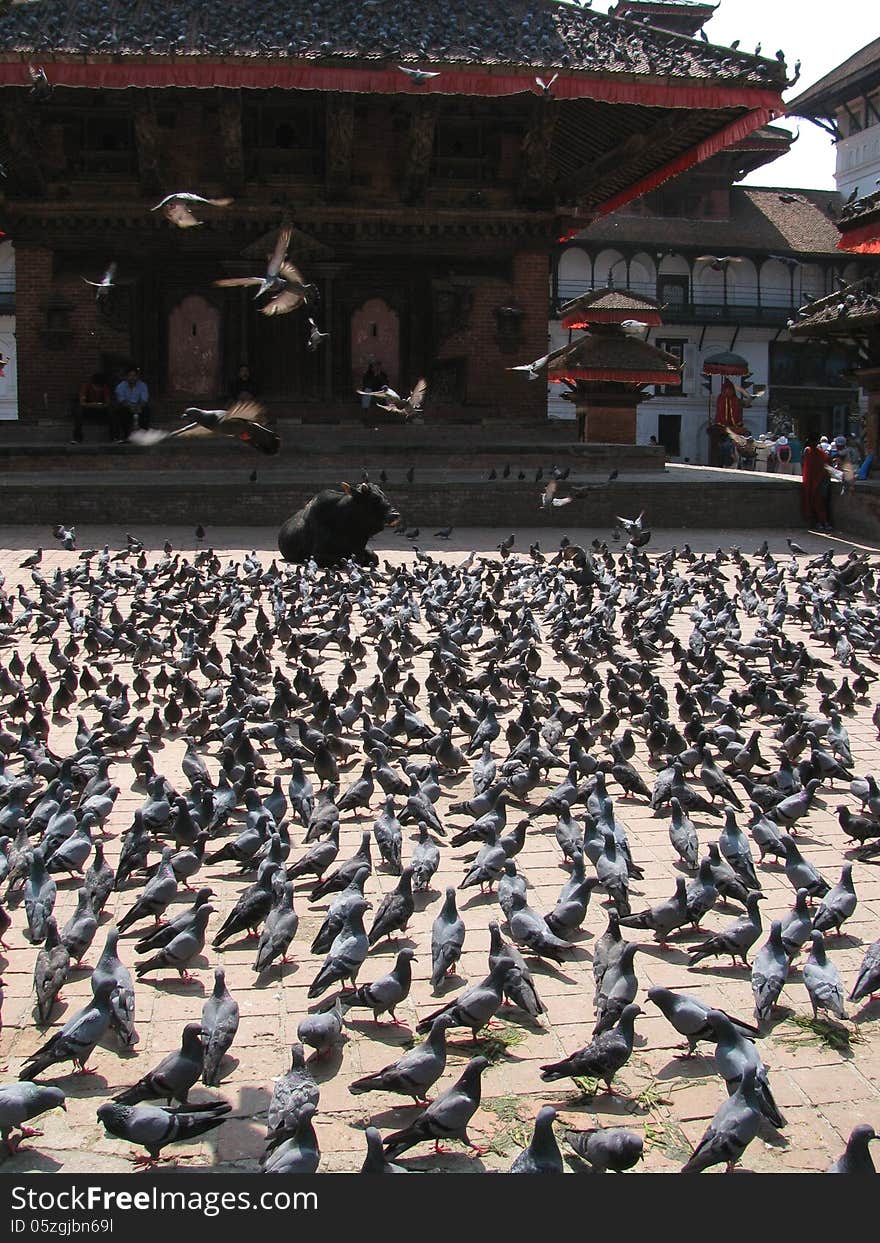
479, 840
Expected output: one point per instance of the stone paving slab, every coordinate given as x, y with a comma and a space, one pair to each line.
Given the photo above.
823, 1090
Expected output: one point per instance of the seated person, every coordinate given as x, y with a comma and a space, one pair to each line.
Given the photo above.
244, 386
93, 401
132, 399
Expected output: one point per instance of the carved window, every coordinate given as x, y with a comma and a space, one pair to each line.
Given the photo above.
285, 138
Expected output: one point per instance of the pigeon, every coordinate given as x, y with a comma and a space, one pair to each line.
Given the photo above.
240, 422
416, 1072
663, 918
386, 993
19, 1102
174, 1076
769, 973
476, 1006
323, 1030
153, 1127
179, 952
447, 1117
736, 939
375, 1161
76, 1039
868, 980
347, 953
837, 905
291, 1092
603, 1057
279, 929
109, 969
395, 909
297, 1153
418, 77
157, 895
447, 939
822, 980
800, 872
734, 1126
518, 984
689, 1016
179, 207
50, 972
607, 1148
733, 1054
856, 1159
220, 1018
542, 1155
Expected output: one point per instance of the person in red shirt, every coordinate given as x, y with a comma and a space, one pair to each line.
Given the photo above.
93, 401
816, 487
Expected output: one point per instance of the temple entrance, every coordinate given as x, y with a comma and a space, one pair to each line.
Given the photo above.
194, 348
375, 333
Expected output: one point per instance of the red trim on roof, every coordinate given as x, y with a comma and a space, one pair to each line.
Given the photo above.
724, 369
202, 72
621, 377
863, 240
583, 319
696, 155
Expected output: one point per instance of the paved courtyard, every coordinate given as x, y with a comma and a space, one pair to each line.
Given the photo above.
825, 1078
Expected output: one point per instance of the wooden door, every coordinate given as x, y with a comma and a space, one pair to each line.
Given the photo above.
194, 356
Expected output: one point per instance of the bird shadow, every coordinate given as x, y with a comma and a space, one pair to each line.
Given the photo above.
180, 988
325, 1066
696, 1067
82, 1086
726, 972
32, 1161
670, 955
380, 1032
869, 1009
273, 977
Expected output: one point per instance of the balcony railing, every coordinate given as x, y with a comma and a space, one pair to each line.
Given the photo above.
7, 294
744, 304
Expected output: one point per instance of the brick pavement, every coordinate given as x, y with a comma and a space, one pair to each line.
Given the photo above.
822, 1090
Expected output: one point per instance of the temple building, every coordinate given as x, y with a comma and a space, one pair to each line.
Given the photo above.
730, 265
426, 173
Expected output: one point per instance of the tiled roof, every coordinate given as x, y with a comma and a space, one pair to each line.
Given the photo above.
860, 211
852, 309
824, 94
614, 352
760, 219
538, 33
610, 299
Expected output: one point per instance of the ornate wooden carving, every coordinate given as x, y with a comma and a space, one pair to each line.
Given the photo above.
624, 160
229, 119
148, 140
419, 150
23, 163
536, 169
339, 143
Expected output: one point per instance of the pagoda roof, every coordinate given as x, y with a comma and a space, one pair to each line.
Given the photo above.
857, 73
131, 35
685, 16
609, 306
760, 220
619, 358
851, 310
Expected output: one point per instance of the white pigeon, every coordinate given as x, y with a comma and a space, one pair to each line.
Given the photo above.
177, 207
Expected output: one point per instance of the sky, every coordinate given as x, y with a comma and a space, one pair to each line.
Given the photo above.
820, 35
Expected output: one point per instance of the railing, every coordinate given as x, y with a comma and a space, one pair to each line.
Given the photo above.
7, 293
745, 303
749, 293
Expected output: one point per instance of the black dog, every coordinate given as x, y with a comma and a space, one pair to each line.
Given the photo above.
336, 525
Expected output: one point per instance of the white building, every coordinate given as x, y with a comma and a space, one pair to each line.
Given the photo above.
846, 104
8, 381
730, 265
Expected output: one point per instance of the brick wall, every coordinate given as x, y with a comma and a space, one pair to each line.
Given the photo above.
51, 367
157, 501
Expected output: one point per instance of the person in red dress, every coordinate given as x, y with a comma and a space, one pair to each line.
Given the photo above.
816, 487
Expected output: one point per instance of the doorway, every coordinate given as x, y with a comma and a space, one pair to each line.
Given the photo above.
375, 334
194, 348
669, 433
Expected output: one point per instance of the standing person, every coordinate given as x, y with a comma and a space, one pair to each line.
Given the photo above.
783, 455
797, 453
374, 380
816, 487
133, 400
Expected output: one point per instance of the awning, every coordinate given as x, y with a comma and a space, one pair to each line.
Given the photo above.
725, 363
